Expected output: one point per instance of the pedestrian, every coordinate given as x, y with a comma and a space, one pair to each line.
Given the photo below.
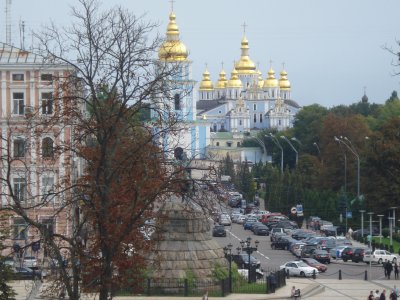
273, 282
396, 271
389, 268
205, 296
377, 295
393, 295
384, 267
371, 295
293, 291
383, 295
350, 233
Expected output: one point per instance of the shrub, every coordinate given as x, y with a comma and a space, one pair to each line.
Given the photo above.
385, 232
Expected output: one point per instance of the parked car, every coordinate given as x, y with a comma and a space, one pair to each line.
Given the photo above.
322, 256
326, 244
379, 256
261, 230
299, 268
336, 252
30, 262
281, 243
9, 261
224, 219
249, 223
219, 231
347, 253
241, 219
358, 254
276, 231
297, 249
21, 273
308, 250
315, 264
242, 261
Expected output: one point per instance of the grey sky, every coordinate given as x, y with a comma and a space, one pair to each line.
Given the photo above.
331, 48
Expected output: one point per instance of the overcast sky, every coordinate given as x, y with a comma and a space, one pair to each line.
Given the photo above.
332, 49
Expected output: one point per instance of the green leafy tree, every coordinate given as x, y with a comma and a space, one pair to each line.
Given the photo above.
244, 181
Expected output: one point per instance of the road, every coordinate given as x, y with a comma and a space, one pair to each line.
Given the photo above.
272, 259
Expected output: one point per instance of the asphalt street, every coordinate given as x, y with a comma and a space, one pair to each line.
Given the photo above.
271, 259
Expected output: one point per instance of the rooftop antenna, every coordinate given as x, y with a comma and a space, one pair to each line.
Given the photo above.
22, 34
8, 22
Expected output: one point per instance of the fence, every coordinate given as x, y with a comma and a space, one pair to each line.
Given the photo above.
214, 288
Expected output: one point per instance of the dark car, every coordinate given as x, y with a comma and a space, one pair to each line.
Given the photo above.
308, 250
219, 230
242, 261
261, 230
302, 234
316, 264
326, 244
358, 255
22, 273
347, 254
322, 256
281, 243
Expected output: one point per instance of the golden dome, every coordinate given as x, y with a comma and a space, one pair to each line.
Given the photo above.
284, 83
172, 49
234, 82
245, 65
206, 84
271, 81
260, 80
222, 81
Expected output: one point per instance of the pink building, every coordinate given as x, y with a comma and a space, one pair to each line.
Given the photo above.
37, 165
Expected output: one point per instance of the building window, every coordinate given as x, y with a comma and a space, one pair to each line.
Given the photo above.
255, 118
217, 144
222, 127
18, 77
177, 102
49, 224
20, 229
215, 127
19, 189
46, 77
229, 144
240, 122
261, 118
47, 147
47, 103
19, 148
18, 103
238, 144
47, 188
273, 94
279, 122
254, 106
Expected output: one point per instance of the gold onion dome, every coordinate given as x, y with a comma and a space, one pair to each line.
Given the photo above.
206, 84
284, 83
222, 81
271, 81
245, 65
172, 49
234, 82
260, 79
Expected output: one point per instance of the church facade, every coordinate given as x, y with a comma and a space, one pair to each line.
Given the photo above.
244, 103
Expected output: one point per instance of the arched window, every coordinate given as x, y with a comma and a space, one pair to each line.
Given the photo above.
177, 102
47, 147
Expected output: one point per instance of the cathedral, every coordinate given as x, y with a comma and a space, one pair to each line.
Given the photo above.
241, 105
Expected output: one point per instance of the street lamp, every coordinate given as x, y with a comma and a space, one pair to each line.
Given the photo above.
246, 247
380, 228
345, 163
228, 253
291, 145
275, 140
353, 150
391, 231
362, 222
394, 217
370, 241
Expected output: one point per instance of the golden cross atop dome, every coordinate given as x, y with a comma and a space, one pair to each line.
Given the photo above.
172, 5
270, 63
365, 90
283, 66
222, 65
244, 25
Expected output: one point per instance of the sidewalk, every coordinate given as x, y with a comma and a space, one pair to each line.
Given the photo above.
310, 289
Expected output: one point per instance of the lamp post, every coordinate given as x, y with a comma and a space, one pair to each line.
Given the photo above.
276, 142
353, 150
391, 231
394, 217
246, 247
264, 155
362, 222
291, 145
380, 228
370, 241
345, 163
228, 253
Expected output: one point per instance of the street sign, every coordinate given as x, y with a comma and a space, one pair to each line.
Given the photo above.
349, 215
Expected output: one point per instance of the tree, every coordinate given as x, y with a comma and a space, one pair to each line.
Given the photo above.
112, 73
6, 291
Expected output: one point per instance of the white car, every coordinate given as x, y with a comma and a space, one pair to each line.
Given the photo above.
379, 256
299, 268
224, 219
30, 262
241, 219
